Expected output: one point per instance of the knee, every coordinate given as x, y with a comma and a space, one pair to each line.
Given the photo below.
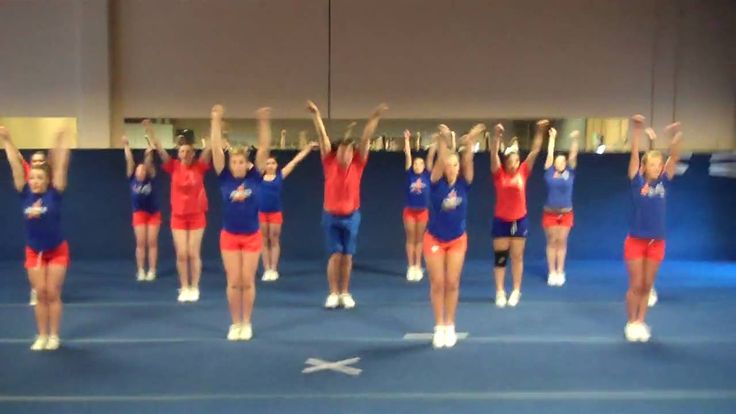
151, 244
193, 254
438, 286
53, 294
452, 286
182, 256
41, 293
248, 285
517, 257
234, 285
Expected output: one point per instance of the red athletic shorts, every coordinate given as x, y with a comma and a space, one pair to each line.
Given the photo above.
271, 218
57, 256
194, 221
241, 242
636, 248
551, 219
144, 218
433, 246
420, 215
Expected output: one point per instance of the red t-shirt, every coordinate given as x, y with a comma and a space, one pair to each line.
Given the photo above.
26, 169
342, 186
511, 193
187, 187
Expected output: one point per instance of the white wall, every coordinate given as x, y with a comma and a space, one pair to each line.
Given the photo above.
427, 58
54, 63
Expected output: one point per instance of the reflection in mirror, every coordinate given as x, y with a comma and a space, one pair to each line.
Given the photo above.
596, 134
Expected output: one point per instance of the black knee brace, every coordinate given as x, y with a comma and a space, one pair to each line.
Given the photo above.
501, 258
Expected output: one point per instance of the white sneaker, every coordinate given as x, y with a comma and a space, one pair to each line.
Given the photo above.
246, 332
631, 332
53, 343
141, 275
410, 274
645, 332
438, 340
267, 276
275, 275
333, 301
347, 301
151, 275
418, 273
561, 279
183, 295
552, 279
514, 298
193, 294
450, 336
653, 298
233, 334
501, 299
34, 298
40, 343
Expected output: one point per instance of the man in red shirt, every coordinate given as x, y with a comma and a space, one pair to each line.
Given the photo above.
343, 171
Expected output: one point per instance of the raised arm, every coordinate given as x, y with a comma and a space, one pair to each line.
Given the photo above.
496, 147
148, 162
162, 153
431, 152
282, 139
674, 132
349, 130
407, 150
14, 159
637, 127
263, 115
218, 146
129, 161
572, 157
550, 149
288, 168
443, 137
325, 147
467, 165
206, 155
370, 128
542, 126
61, 160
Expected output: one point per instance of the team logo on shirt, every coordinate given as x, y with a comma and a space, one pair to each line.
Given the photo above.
451, 201
516, 181
417, 186
144, 189
565, 175
36, 210
656, 191
240, 194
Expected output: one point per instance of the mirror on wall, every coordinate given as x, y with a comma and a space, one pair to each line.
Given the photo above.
38, 132
597, 134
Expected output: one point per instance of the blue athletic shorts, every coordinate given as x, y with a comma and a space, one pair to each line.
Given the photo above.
516, 228
341, 232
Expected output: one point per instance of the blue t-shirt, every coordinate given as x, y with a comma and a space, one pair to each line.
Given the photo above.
559, 187
417, 189
143, 195
648, 217
269, 196
42, 215
239, 199
448, 209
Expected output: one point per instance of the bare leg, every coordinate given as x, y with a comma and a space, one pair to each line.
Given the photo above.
248, 274
500, 243
346, 269
152, 243
37, 277
232, 261
455, 261
517, 260
634, 294
54, 282
551, 250
650, 273
265, 251
274, 239
195, 258
410, 230
418, 237
182, 256
436, 268
333, 272
140, 247
563, 233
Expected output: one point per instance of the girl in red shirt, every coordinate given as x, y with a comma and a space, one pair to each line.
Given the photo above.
188, 208
510, 222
